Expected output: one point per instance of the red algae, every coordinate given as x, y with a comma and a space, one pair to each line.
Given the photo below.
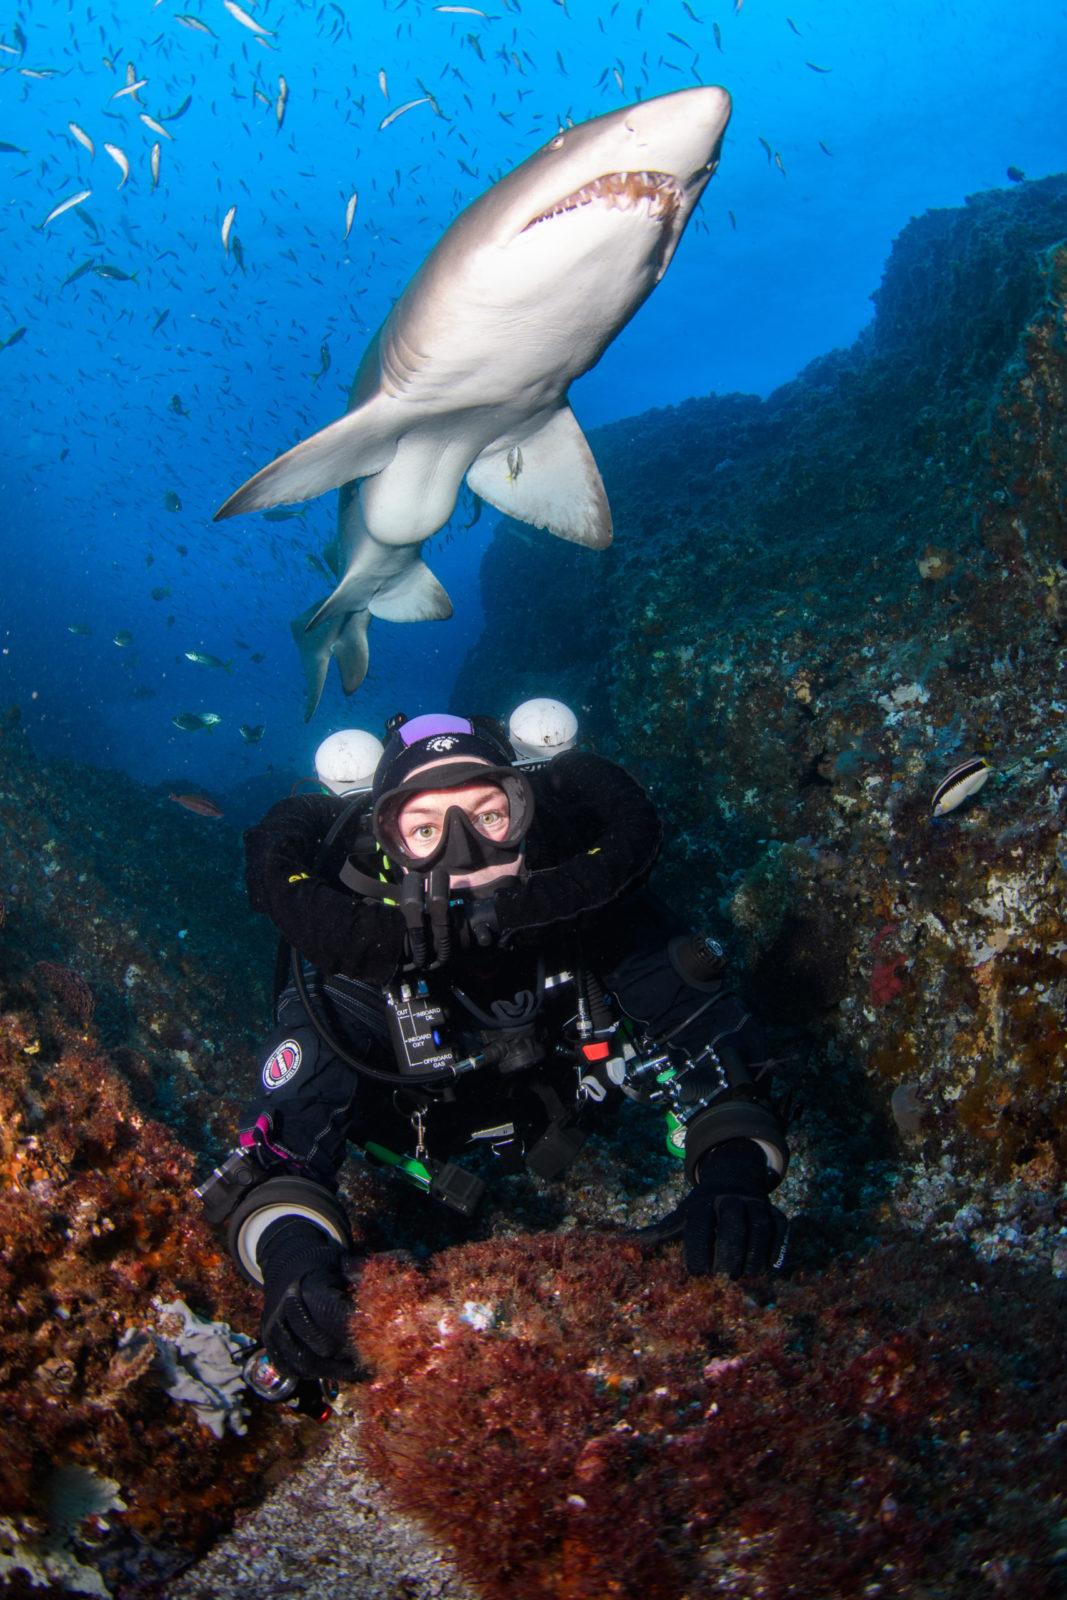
577, 1419
96, 1225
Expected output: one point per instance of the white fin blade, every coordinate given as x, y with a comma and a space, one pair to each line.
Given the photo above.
549, 479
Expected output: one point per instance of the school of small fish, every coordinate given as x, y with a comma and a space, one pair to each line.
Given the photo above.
298, 142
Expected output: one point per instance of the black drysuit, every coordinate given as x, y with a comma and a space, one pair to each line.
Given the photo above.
582, 900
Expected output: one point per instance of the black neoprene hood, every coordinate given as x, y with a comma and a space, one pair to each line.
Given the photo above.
445, 752
425, 741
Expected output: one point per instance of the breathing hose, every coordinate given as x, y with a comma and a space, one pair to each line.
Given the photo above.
412, 1080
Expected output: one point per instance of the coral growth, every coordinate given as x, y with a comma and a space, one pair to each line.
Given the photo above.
116, 913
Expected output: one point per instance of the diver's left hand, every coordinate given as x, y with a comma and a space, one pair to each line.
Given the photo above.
726, 1222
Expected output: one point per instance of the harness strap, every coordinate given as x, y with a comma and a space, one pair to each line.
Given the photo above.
362, 882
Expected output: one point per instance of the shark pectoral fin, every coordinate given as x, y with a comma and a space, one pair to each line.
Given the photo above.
350, 650
415, 596
549, 479
361, 443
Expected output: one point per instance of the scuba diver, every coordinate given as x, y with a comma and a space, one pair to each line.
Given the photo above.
471, 961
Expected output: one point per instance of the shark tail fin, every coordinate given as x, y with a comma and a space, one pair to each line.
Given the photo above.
356, 446
350, 650
344, 637
413, 596
547, 477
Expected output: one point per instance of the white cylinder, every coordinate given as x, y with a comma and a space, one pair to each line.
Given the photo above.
542, 728
346, 760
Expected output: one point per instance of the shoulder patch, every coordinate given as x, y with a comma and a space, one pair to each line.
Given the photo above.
282, 1064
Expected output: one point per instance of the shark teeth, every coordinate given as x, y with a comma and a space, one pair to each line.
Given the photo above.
623, 191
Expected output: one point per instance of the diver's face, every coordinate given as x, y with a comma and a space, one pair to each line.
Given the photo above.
422, 818
421, 821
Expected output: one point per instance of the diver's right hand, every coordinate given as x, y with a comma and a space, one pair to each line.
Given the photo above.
306, 1306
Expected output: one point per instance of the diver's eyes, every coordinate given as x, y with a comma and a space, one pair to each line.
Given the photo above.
424, 833
490, 819
557, 142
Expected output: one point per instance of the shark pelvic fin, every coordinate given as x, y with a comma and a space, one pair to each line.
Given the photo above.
416, 596
358, 444
416, 493
548, 478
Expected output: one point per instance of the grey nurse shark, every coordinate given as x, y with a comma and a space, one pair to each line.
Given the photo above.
468, 375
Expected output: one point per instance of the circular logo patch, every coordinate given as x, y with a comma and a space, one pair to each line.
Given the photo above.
282, 1065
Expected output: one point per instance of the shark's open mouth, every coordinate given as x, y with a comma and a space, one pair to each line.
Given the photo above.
623, 191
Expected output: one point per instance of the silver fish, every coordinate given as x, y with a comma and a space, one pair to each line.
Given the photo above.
409, 105
82, 137
121, 161
65, 205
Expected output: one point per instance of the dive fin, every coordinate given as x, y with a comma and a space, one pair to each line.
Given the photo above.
358, 444
548, 478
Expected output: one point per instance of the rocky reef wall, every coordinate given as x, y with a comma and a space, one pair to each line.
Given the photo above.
814, 607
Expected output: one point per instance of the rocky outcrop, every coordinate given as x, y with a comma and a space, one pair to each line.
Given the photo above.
815, 606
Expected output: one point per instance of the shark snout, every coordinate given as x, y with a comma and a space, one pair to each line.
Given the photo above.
681, 133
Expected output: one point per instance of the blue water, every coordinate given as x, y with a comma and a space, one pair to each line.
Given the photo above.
922, 105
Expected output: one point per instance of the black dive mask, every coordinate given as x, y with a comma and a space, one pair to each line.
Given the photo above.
462, 848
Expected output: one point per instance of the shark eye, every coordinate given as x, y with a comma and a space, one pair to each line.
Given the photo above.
557, 142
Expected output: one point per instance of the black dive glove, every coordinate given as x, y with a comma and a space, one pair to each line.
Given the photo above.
306, 1306
726, 1222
